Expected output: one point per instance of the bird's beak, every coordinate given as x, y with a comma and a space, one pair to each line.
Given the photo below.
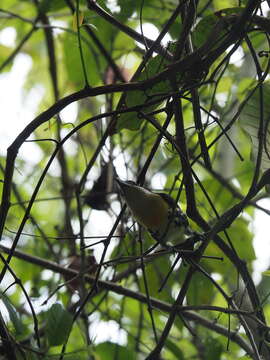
120, 183
123, 185
117, 179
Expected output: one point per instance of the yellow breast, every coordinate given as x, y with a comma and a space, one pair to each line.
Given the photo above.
153, 215
148, 208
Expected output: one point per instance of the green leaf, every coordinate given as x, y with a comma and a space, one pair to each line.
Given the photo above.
213, 348
73, 62
130, 120
201, 290
156, 272
258, 105
221, 4
243, 240
127, 9
48, 5
13, 314
58, 325
109, 350
174, 349
203, 30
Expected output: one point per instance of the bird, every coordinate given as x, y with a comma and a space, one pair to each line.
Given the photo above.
157, 212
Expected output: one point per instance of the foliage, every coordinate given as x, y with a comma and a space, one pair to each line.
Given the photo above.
182, 116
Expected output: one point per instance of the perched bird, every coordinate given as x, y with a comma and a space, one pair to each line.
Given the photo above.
75, 263
157, 212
